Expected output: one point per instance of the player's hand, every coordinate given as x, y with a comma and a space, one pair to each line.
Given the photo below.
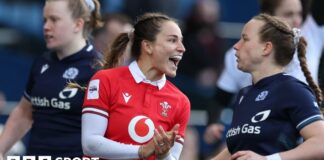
213, 133
160, 136
247, 155
164, 141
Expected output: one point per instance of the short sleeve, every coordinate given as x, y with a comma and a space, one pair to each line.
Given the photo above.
30, 81
183, 118
305, 109
97, 97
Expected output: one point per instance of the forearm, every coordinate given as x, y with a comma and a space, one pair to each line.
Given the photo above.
17, 125
99, 146
96, 145
224, 155
310, 149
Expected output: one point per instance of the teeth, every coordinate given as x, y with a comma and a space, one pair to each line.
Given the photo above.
178, 57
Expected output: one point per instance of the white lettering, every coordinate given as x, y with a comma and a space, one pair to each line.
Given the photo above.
54, 102
13, 158
44, 158
29, 158
246, 129
60, 104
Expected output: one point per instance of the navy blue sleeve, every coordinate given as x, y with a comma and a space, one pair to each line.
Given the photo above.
31, 81
304, 108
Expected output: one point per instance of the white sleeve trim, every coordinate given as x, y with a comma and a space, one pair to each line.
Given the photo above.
95, 110
309, 119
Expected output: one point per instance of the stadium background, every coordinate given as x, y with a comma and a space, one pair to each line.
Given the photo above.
21, 37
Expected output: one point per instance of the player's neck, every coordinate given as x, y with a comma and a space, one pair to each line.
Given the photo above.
71, 48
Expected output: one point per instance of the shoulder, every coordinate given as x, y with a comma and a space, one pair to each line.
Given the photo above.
292, 84
294, 88
114, 73
172, 89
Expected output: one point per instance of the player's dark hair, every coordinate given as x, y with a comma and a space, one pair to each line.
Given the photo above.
146, 27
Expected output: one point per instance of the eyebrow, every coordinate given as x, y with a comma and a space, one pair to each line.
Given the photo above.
175, 36
244, 35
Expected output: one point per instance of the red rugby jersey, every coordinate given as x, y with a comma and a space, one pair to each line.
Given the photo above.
134, 109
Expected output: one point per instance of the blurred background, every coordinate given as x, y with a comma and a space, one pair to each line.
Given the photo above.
209, 27
21, 36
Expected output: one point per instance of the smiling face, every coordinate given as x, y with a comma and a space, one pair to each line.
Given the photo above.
291, 11
167, 49
59, 26
249, 48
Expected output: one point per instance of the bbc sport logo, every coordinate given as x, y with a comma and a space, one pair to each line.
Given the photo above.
49, 158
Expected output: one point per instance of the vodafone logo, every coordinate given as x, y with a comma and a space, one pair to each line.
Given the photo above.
141, 129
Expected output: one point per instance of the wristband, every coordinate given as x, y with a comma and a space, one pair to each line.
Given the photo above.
275, 156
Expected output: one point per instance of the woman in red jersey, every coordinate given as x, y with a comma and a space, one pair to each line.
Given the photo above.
134, 112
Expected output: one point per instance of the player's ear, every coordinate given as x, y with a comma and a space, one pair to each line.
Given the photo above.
79, 24
147, 46
267, 48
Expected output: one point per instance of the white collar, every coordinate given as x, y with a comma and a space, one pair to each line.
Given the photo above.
140, 77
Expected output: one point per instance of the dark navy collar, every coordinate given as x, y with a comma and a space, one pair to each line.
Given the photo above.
83, 53
267, 80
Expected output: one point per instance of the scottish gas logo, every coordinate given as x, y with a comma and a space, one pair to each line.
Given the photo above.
249, 128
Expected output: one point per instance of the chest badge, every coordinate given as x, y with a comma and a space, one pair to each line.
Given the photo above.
165, 108
71, 73
262, 96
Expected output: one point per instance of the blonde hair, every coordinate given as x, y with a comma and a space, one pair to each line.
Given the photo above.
92, 18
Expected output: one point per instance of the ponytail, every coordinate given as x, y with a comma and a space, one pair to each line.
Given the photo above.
95, 20
301, 48
114, 56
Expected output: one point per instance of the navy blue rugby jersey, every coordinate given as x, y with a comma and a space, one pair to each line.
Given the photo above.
269, 115
56, 129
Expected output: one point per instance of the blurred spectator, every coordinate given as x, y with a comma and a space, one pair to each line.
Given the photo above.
200, 67
114, 24
204, 56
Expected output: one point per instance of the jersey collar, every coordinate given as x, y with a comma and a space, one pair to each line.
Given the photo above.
140, 77
83, 53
